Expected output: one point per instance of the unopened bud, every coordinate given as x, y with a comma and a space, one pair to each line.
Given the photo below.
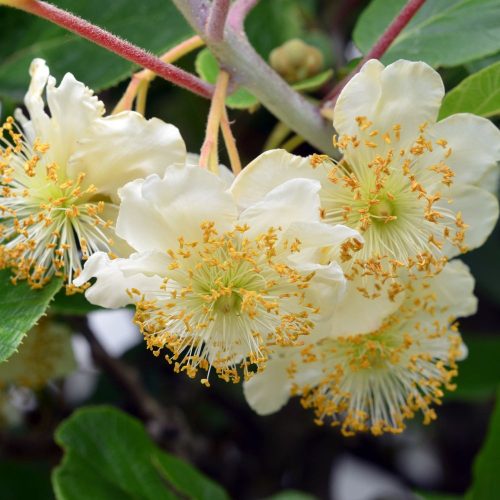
295, 60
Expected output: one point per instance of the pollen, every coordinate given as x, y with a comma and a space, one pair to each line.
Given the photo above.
226, 303
49, 222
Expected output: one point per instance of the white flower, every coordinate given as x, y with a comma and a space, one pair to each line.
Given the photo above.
415, 188
374, 380
219, 288
60, 172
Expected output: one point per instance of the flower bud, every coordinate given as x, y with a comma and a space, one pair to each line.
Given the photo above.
295, 60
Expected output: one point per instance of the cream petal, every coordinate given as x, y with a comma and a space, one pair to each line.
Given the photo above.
34, 102
115, 277
326, 288
479, 210
320, 242
474, 143
268, 391
73, 108
268, 171
294, 200
225, 173
123, 147
356, 314
454, 288
184, 199
139, 222
404, 93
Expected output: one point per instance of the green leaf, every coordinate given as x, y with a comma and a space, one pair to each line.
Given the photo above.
479, 373
20, 309
292, 495
208, 68
187, 479
24, 37
478, 94
486, 483
109, 456
313, 83
442, 33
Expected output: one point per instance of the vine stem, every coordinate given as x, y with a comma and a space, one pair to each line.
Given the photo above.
113, 43
209, 157
217, 19
380, 47
141, 79
236, 55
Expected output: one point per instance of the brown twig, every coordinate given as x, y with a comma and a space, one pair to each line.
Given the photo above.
160, 421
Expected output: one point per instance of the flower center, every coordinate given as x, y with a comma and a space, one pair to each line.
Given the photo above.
49, 222
225, 300
382, 211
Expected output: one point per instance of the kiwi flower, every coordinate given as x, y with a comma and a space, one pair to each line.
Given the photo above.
60, 172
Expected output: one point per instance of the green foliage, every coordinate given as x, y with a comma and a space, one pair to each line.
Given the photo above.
292, 495
486, 484
479, 373
478, 94
442, 33
20, 309
24, 37
108, 456
208, 69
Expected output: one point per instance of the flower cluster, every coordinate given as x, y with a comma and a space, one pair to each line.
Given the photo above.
329, 280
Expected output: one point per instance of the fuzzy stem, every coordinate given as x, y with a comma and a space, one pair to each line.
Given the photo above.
230, 143
209, 157
239, 12
113, 43
147, 75
247, 69
379, 48
217, 20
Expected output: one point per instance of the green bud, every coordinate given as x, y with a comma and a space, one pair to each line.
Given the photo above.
295, 60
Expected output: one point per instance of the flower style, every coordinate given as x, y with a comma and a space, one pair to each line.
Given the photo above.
373, 381
415, 188
219, 288
59, 175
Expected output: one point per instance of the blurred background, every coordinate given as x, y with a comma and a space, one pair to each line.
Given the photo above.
101, 359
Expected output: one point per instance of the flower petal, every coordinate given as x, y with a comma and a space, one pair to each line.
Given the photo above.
174, 206
115, 277
474, 143
356, 314
269, 170
268, 391
404, 93
123, 147
33, 99
454, 288
294, 200
73, 108
479, 210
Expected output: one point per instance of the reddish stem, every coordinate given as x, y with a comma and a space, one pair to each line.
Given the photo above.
239, 11
116, 44
217, 20
379, 48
